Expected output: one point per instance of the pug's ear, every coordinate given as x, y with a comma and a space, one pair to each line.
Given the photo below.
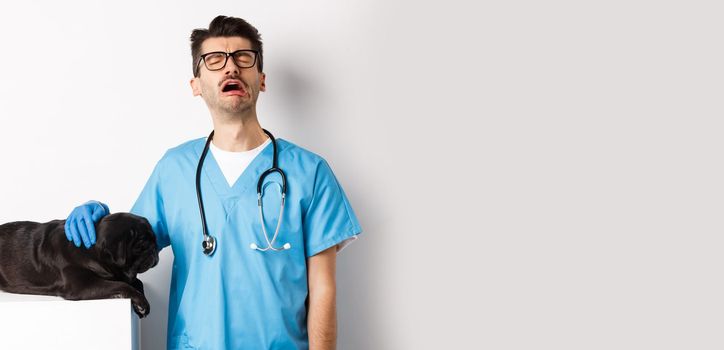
115, 256
107, 256
115, 249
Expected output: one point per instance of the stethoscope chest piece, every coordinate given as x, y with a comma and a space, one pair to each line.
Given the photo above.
209, 245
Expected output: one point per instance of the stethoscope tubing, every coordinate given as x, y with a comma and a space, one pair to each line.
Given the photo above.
209, 243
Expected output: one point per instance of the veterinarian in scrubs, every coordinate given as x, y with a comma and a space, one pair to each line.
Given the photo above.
239, 297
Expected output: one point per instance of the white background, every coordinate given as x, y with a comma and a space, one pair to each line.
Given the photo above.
528, 175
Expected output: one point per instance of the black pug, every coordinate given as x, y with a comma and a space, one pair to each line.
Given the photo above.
36, 258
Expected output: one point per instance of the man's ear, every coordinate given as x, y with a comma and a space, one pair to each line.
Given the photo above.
262, 85
195, 86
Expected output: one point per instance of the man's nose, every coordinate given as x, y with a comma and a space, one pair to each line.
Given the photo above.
231, 67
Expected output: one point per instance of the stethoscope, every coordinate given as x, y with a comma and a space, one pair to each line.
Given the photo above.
209, 243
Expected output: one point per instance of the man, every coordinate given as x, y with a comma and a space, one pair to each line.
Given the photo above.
241, 297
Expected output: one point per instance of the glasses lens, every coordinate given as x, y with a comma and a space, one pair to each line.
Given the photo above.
244, 59
215, 60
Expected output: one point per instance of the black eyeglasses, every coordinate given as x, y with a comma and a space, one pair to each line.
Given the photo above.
217, 60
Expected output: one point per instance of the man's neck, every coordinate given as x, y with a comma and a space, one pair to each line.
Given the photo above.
238, 134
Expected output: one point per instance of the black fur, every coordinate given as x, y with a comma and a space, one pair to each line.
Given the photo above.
36, 258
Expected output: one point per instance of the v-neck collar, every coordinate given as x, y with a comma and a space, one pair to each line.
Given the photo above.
246, 181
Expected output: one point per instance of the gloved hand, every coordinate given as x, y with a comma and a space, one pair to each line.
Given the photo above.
80, 225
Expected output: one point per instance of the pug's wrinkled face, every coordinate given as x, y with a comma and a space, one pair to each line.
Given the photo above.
127, 241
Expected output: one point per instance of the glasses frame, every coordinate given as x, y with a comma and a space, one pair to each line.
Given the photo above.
202, 58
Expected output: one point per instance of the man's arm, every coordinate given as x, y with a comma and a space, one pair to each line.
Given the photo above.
322, 314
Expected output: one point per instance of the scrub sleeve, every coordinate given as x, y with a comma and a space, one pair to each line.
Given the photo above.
329, 219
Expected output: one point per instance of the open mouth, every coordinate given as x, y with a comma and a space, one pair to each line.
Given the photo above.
233, 87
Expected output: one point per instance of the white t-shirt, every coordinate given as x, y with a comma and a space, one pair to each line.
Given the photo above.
233, 164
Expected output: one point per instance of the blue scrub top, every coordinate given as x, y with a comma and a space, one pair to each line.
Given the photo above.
241, 298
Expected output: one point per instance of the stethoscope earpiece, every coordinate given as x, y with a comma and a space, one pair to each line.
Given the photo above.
256, 247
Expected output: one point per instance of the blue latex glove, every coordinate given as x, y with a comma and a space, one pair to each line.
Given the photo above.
80, 225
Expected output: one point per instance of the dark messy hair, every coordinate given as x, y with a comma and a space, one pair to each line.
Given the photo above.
223, 26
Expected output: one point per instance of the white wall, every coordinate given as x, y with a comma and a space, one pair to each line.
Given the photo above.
528, 175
